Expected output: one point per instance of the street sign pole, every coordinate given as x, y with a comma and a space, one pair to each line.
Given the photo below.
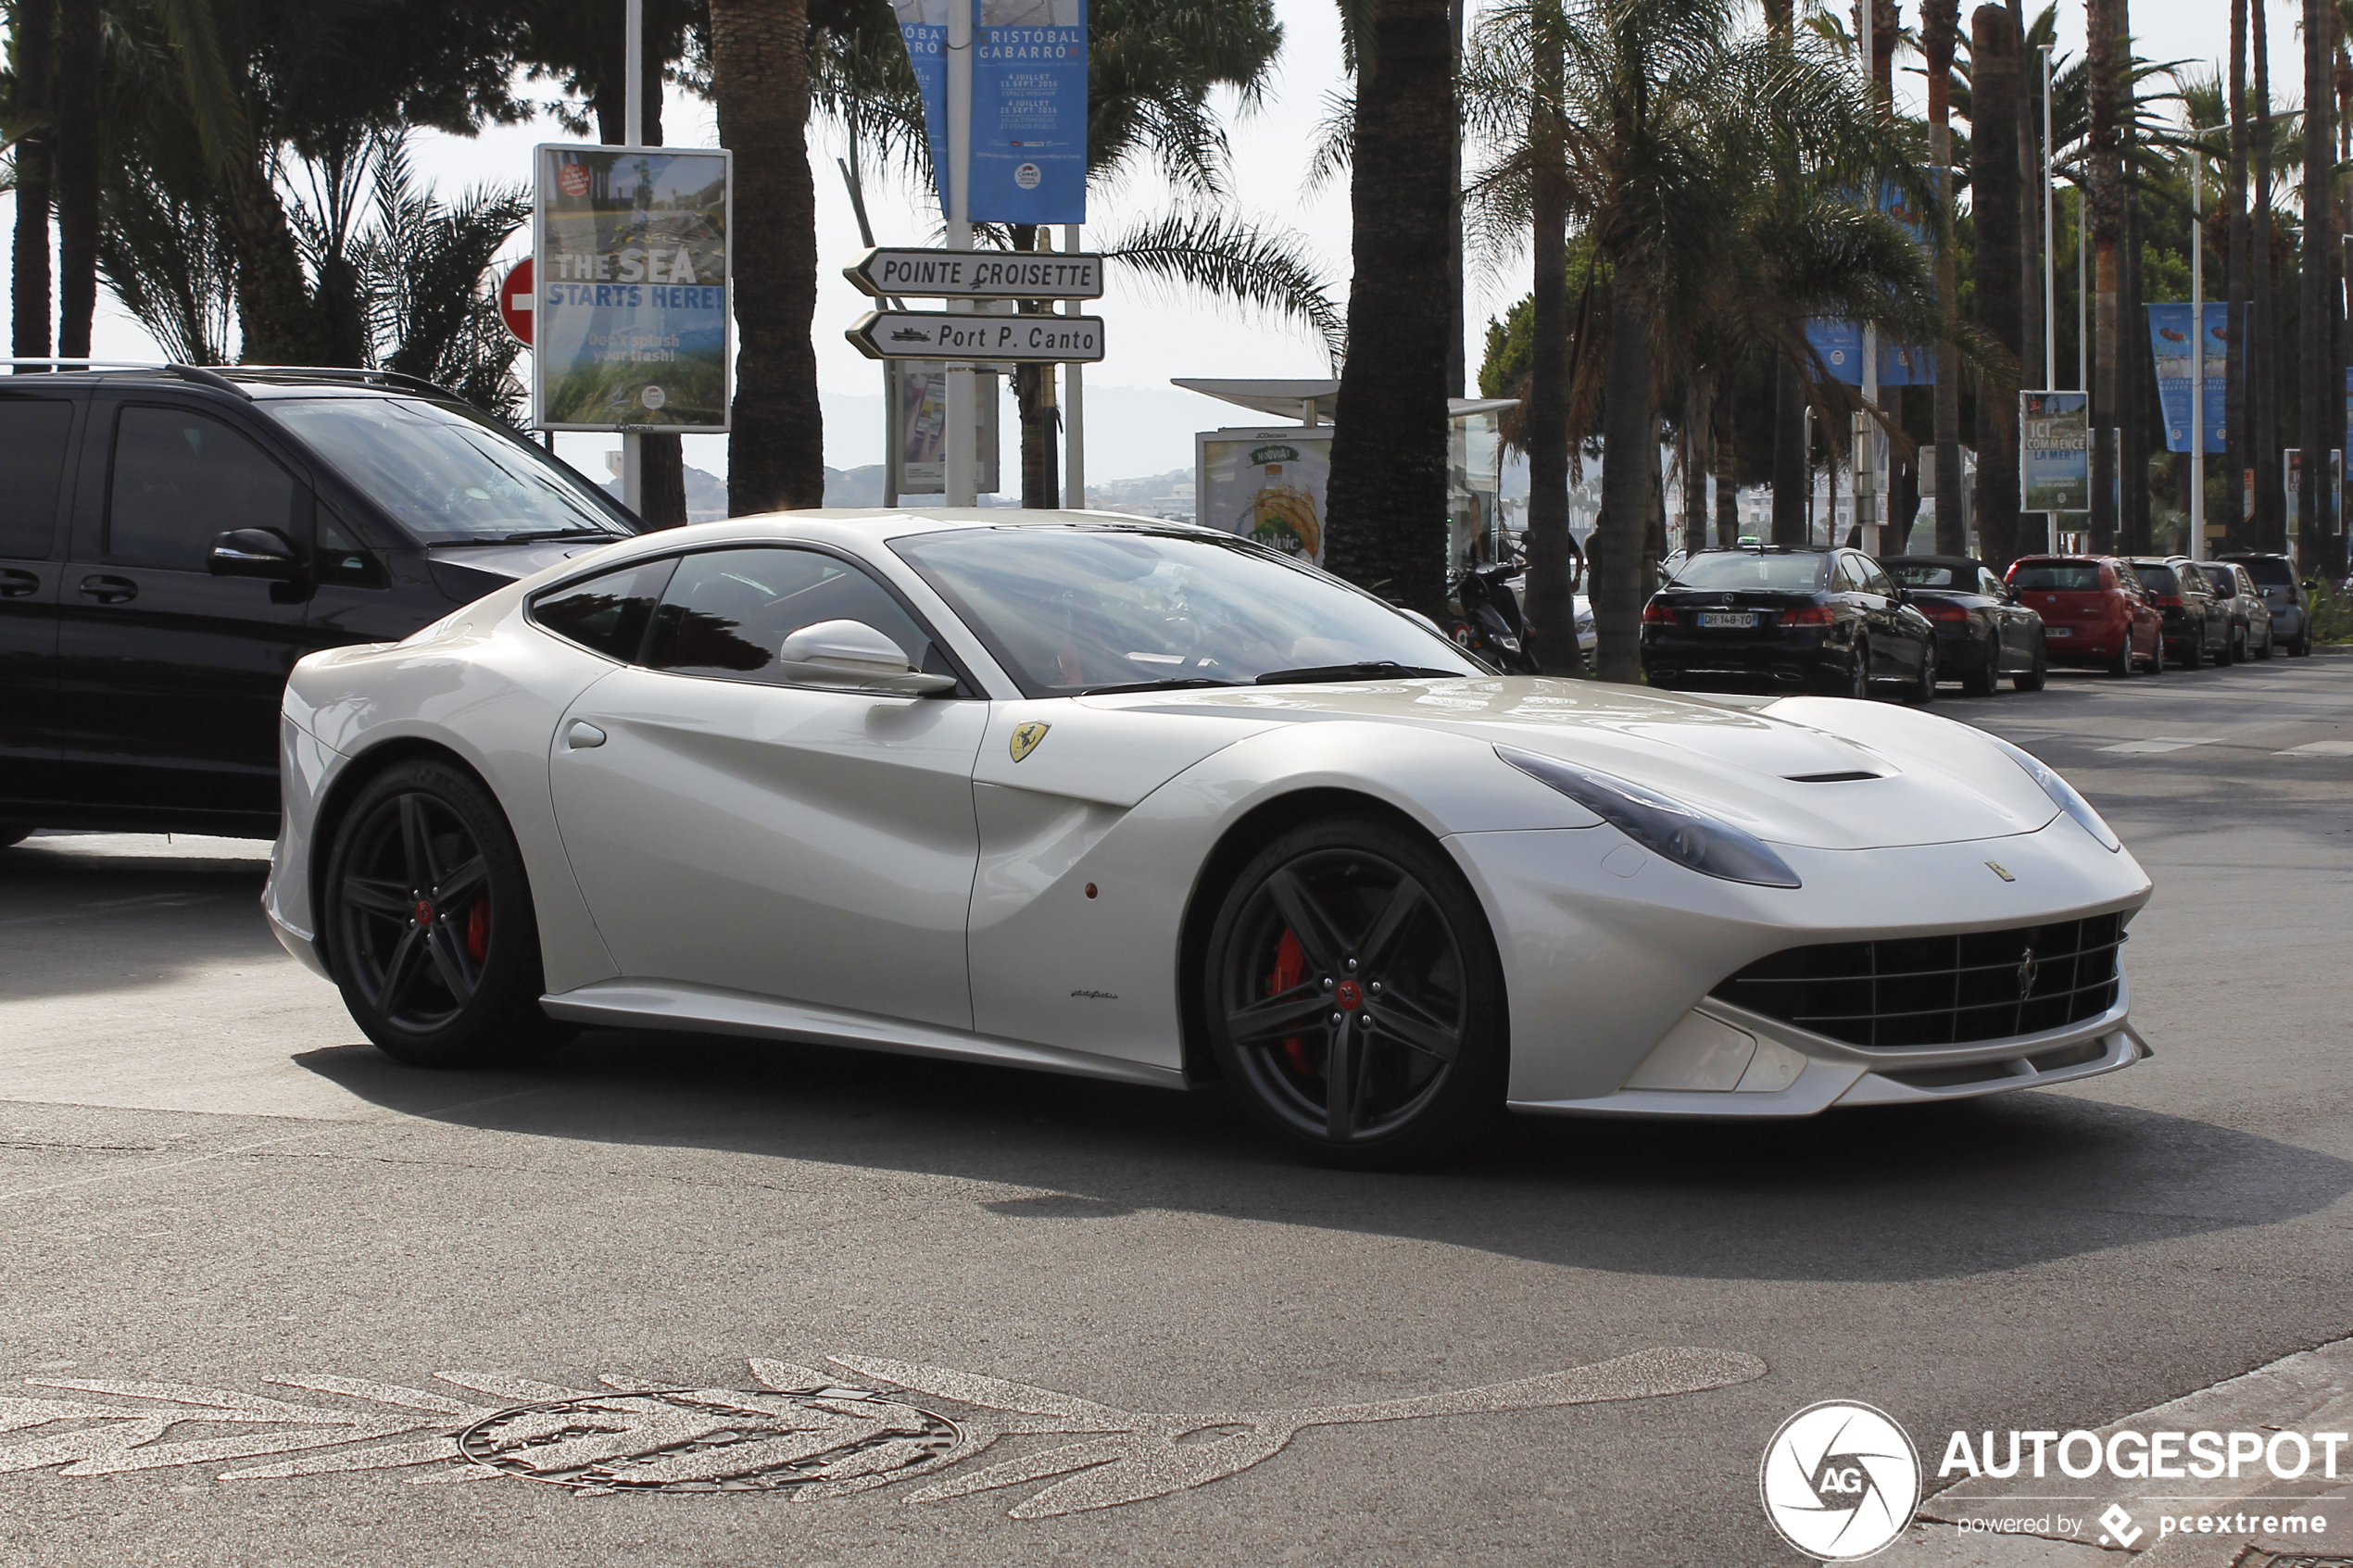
632, 446
2198, 365
1865, 460
963, 407
1075, 406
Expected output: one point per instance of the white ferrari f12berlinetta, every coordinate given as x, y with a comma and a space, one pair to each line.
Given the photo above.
1152, 803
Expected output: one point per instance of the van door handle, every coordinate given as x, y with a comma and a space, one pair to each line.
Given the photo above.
15, 584
580, 735
109, 590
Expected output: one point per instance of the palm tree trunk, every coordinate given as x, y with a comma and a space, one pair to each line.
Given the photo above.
1993, 56
2034, 327
2105, 40
2321, 387
2136, 373
1629, 473
759, 77
77, 174
1728, 485
36, 40
1792, 465
2238, 429
1387, 504
2269, 522
1939, 28
278, 320
1695, 456
1552, 605
1034, 397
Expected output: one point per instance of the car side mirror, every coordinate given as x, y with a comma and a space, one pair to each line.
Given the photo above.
852, 656
254, 552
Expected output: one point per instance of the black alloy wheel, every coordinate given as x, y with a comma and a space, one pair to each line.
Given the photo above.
1923, 690
429, 928
1354, 999
2035, 678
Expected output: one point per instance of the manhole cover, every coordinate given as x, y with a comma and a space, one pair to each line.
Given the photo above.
714, 1440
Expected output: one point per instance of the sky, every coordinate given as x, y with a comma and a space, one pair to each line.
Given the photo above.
1137, 424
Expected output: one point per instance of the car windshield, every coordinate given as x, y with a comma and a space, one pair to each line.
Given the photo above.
2157, 579
1742, 569
1069, 610
448, 475
1929, 574
2059, 576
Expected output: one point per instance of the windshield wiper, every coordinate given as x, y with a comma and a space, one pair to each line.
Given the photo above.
1166, 683
1371, 669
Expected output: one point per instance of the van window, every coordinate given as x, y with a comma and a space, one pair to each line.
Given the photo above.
181, 479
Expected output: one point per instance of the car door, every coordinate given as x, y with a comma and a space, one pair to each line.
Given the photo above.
1897, 646
731, 829
169, 677
36, 437
2013, 651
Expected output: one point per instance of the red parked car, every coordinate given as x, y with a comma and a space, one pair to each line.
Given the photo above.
2094, 612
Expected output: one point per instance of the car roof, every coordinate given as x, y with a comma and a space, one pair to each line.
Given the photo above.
1970, 561
1767, 550
257, 383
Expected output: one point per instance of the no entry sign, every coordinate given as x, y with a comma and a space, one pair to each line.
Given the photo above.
514, 301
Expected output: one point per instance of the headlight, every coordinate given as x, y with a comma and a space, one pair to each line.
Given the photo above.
2063, 796
1663, 826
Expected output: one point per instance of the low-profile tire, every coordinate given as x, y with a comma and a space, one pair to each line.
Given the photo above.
1986, 679
2035, 678
2301, 648
1357, 920
429, 928
1923, 690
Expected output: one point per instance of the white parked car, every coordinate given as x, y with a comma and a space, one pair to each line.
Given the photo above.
1150, 803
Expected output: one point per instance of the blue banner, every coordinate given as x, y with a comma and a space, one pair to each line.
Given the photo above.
2170, 334
1029, 108
1841, 343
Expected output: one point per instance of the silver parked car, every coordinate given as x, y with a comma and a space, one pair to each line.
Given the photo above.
2236, 595
2291, 607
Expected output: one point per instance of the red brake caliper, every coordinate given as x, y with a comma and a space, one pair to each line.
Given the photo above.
1291, 969
478, 929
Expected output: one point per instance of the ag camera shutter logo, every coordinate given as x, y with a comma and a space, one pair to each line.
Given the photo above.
1839, 1480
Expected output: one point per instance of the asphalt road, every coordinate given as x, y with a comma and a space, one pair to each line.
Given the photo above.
209, 1185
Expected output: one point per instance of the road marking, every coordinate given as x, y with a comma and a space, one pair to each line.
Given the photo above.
2318, 748
2155, 744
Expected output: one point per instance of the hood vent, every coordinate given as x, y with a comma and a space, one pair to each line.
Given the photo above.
1831, 778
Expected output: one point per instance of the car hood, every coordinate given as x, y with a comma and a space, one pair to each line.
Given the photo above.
466, 573
1785, 770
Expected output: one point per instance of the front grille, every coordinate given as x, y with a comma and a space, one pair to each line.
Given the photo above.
1939, 990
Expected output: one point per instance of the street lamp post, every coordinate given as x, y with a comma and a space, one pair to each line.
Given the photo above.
633, 134
963, 399
2197, 364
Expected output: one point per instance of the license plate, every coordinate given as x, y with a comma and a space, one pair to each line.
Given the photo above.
2059, 631
1728, 618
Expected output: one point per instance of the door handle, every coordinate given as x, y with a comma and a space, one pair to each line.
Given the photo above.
109, 590
15, 584
580, 735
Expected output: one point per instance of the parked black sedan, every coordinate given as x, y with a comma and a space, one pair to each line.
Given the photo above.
1983, 632
1780, 617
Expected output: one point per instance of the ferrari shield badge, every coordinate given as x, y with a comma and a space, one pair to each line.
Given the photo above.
1027, 737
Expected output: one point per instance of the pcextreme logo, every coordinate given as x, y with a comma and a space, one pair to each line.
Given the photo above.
1839, 1480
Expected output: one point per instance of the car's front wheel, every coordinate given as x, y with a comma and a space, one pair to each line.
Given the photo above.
431, 932
1354, 998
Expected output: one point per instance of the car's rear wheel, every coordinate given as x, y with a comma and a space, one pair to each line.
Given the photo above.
1859, 685
1353, 996
2034, 679
2123, 663
431, 932
2194, 652
1924, 689
1986, 679
2228, 653
2263, 655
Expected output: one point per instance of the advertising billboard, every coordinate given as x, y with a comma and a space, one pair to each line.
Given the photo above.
919, 428
631, 267
1265, 484
2055, 454
2170, 341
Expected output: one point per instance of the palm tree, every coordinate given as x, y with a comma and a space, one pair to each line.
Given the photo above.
2320, 385
77, 174
2238, 437
35, 37
1939, 30
759, 77
2269, 518
1996, 208
1387, 503
2105, 188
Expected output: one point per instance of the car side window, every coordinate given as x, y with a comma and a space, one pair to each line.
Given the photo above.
1988, 585
727, 612
179, 479
1842, 577
608, 614
1875, 578
32, 456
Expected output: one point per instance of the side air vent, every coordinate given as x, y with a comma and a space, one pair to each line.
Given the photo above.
1831, 778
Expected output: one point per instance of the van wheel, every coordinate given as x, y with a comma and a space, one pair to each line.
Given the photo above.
431, 933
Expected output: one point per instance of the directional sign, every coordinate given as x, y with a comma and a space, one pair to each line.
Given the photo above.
978, 274
940, 335
514, 301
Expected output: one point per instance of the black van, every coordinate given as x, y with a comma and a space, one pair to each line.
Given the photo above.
172, 540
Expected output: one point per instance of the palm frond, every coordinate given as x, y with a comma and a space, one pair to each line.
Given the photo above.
1233, 260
